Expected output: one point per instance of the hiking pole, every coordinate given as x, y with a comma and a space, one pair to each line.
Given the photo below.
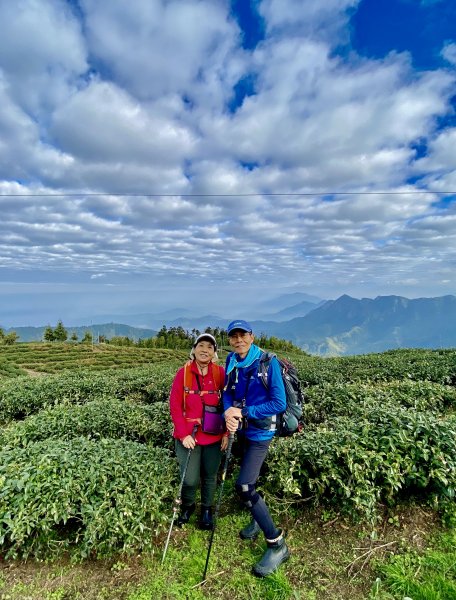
219, 501
178, 501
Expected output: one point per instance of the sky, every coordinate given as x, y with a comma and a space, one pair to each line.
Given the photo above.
210, 154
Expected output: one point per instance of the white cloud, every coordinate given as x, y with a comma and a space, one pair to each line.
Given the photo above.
102, 123
310, 18
323, 124
158, 47
134, 98
449, 53
42, 52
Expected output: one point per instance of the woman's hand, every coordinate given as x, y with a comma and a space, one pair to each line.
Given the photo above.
188, 442
232, 418
224, 443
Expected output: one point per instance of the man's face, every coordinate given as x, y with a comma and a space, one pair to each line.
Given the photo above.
241, 341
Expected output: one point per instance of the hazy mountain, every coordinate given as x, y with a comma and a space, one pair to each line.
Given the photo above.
285, 301
352, 326
145, 320
343, 326
108, 330
281, 308
291, 312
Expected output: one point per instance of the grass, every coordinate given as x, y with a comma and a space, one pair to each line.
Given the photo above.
429, 575
92, 580
331, 560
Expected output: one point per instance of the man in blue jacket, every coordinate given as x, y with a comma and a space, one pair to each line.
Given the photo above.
251, 409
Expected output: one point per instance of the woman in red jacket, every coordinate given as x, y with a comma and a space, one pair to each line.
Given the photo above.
195, 405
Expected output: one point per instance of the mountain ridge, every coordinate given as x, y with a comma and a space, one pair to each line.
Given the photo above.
359, 326
342, 326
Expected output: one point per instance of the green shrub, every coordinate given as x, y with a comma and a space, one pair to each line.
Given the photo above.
25, 396
97, 419
56, 357
358, 463
95, 497
438, 366
352, 399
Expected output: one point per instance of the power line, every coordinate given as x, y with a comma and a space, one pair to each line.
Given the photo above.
241, 195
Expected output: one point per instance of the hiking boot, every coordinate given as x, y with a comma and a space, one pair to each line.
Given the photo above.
251, 531
206, 521
185, 514
276, 553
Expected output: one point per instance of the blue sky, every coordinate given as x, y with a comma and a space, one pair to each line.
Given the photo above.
208, 153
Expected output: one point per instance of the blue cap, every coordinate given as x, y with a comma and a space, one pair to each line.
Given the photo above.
242, 325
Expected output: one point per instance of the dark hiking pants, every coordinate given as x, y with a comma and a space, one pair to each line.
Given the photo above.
253, 455
202, 470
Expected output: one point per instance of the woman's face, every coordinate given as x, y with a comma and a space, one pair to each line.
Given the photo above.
241, 341
204, 352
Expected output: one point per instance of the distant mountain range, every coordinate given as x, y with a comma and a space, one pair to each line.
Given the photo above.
334, 327
351, 326
281, 308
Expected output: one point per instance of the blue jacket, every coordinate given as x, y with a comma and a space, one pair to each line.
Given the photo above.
260, 403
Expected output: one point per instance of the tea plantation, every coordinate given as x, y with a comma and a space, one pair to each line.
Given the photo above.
87, 467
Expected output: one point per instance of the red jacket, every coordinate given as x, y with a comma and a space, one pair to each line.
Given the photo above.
183, 424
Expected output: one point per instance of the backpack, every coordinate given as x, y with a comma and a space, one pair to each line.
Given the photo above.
290, 420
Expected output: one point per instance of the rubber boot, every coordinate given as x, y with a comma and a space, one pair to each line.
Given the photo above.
206, 520
276, 553
250, 531
185, 514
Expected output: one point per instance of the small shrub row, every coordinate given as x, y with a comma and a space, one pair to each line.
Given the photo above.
352, 399
25, 395
56, 357
105, 418
92, 497
438, 366
376, 458
10, 370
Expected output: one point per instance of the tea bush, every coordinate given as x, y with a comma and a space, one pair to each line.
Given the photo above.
92, 497
55, 357
10, 370
438, 366
358, 463
352, 399
85, 461
105, 418
25, 395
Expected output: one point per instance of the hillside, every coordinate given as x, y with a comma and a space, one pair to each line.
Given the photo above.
55, 357
88, 480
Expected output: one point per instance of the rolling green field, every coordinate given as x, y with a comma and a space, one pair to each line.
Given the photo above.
54, 357
87, 477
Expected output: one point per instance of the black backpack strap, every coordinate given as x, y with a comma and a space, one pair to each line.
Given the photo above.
265, 360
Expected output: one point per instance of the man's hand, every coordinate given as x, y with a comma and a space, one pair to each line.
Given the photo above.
232, 418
